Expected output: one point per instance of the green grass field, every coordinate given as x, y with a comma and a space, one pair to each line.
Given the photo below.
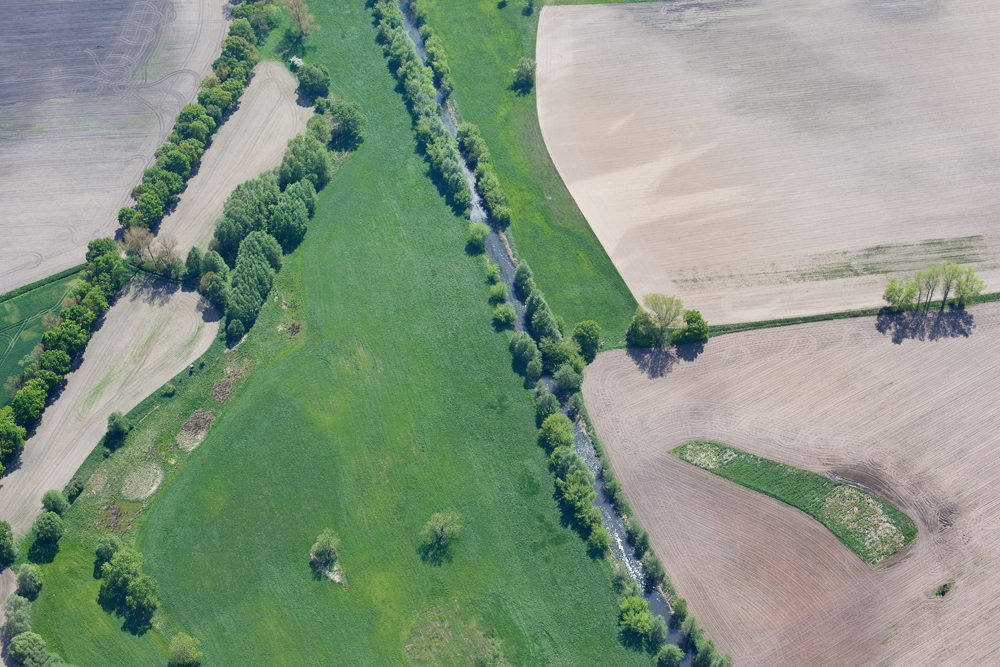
21, 325
484, 42
396, 401
857, 518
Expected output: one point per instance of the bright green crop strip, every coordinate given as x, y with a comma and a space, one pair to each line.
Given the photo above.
484, 42
867, 525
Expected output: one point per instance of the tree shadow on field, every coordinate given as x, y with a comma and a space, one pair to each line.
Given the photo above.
43, 552
923, 325
655, 362
435, 554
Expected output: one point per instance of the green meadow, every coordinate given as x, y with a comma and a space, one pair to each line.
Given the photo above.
395, 401
484, 42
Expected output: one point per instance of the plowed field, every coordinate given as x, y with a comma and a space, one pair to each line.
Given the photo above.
250, 142
87, 94
777, 158
905, 408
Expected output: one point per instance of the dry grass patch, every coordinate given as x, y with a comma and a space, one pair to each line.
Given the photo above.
911, 420
444, 636
776, 158
193, 430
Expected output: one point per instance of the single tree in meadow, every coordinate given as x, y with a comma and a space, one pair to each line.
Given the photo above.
443, 527
666, 312
184, 651
303, 22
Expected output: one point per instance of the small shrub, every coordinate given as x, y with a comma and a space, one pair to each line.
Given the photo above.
695, 331
29, 648
234, 332
599, 540
533, 370
657, 633
587, 335
504, 315
169, 390
524, 75
319, 127
107, 547
475, 237
575, 405
670, 655
28, 581
55, 501
349, 123
498, 293
556, 433
443, 527
118, 428
546, 406
492, 271
655, 573
314, 80
325, 549
680, 609
634, 618
567, 380
524, 281
184, 651
48, 527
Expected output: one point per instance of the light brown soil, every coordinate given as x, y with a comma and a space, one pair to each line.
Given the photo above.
251, 141
777, 158
910, 413
70, 153
152, 332
142, 482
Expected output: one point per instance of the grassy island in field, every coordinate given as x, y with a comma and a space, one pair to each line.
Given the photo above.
867, 525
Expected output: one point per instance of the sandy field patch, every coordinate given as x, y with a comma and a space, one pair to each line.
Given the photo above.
251, 141
909, 415
777, 158
153, 331
141, 482
82, 108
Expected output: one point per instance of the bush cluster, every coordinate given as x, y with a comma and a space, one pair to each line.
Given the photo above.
417, 81
658, 324
126, 590
477, 156
197, 122
43, 369
918, 292
437, 59
263, 16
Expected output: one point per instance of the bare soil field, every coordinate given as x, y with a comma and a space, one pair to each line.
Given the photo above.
905, 408
86, 96
251, 141
777, 158
153, 331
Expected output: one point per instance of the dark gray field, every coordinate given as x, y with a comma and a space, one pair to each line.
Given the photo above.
88, 90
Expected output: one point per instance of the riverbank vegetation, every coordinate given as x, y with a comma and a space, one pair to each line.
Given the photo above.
866, 524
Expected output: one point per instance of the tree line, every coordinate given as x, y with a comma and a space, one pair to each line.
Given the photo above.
198, 121
477, 156
918, 292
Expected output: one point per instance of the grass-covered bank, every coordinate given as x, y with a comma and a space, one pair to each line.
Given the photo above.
484, 40
867, 525
399, 403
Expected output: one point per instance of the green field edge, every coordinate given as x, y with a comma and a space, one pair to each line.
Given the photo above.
722, 329
42, 283
820, 486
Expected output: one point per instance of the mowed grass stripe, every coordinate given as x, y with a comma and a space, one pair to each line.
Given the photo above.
854, 516
401, 403
484, 42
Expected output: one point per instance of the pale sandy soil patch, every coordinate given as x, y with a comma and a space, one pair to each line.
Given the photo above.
142, 482
193, 430
153, 330
250, 142
74, 143
911, 417
777, 158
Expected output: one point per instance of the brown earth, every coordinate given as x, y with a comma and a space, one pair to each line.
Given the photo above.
153, 331
905, 407
779, 157
81, 112
251, 141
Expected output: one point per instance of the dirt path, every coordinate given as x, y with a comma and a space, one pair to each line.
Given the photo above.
251, 141
909, 411
148, 336
81, 119
781, 157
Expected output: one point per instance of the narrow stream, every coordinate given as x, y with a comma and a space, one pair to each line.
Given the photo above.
498, 252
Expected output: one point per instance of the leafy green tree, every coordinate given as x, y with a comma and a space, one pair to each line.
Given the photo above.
680, 609
118, 427
705, 652
305, 158
150, 207
599, 540
642, 332
568, 381
556, 433
314, 81
325, 549
634, 617
184, 651
140, 599
498, 293
303, 22
8, 548
666, 313
241, 28
319, 128
524, 74
443, 527
695, 331
28, 648
215, 287
472, 145
68, 337
29, 402
669, 655
587, 335
54, 501
655, 572
11, 435
107, 546
546, 406
125, 589
28, 581
234, 331
349, 123
504, 315
82, 316
56, 361
247, 209
192, 265
657, 633
692, 630
289, 222
125, 216
48, 527
524, 281
968, 287
18, 611
305, 192
177, 162
524, 350
475, 237
99, 247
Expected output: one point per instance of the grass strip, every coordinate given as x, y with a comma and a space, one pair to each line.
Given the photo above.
42, 283
866, 524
